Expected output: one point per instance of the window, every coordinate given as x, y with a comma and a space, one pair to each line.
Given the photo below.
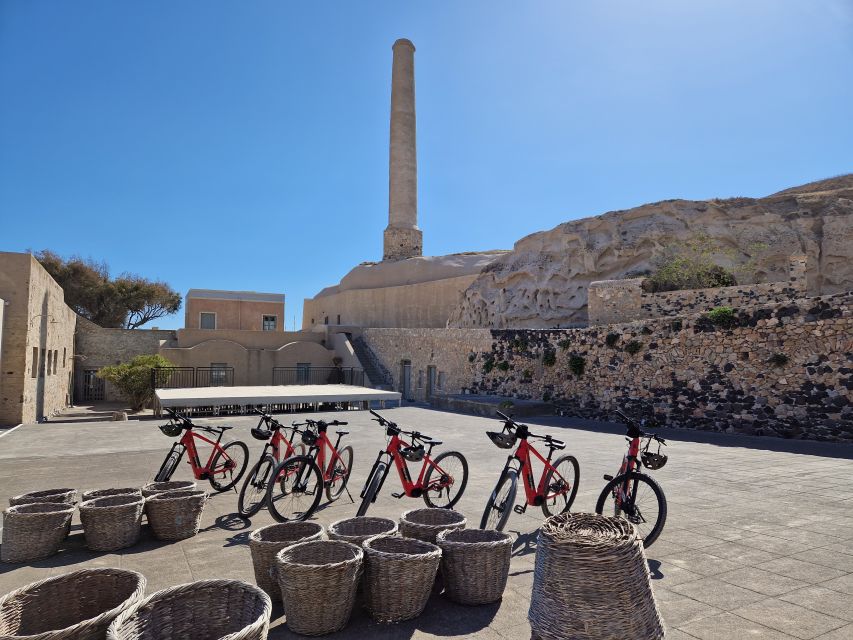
49, 361
218, 374
207, 320
268, 323
55, 360
339, 318
63, 356
42, 362
35, 362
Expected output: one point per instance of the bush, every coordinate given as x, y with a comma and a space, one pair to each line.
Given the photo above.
778, 360
133, 378
520, 344
676, 325
722, 316
633, 347
690, 265
611, 339
577, 365
503, 365
488, 365
527, 374
564, 344
549, 358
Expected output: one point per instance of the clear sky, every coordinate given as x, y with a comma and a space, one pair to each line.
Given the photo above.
243, 145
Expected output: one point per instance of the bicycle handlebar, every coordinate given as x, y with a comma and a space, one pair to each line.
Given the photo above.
635, 431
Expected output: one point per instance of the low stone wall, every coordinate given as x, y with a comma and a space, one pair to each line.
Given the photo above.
612, 301
783, 369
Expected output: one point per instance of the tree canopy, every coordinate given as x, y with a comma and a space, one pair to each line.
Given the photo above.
128, 300
134, 378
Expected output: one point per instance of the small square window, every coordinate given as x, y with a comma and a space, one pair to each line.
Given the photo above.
207, 320
269, 323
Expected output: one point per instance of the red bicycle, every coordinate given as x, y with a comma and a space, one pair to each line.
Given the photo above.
441, 481
293, 492
557, 486
253, 493
224, 466
633, 495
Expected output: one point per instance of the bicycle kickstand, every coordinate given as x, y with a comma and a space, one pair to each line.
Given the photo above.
350, 495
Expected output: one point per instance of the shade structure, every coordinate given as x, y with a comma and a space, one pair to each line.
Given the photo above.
266, 395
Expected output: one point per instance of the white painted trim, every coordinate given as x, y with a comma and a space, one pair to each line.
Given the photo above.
8, 431
215, 320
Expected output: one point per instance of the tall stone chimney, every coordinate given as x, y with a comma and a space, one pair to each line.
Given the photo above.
403, 239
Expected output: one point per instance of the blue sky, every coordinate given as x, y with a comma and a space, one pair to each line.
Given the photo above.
243, 145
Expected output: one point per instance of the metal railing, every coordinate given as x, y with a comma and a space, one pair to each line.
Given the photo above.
188, 377
214, 376
318, 375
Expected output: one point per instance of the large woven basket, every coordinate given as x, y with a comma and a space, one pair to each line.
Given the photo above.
153, 488
175, 515
208, 609
48, 495
318, 580
266, 542
398, 576
74, 606
591, 581
425, 524
357, 530
112, 522
34, 531
474, 564
104, 493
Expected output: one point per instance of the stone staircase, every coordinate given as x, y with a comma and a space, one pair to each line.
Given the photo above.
375, 371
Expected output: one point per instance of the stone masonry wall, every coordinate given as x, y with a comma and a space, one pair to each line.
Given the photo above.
613, 301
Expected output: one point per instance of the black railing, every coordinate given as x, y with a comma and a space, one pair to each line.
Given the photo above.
318, 375
214, 376
188, 377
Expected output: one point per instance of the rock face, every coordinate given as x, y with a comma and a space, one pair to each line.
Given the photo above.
542, 282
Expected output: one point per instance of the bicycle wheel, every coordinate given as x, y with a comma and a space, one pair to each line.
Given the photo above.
644, 506
228, 466
339, 474
451, 476
501, 501
253, 493
374, 484
561, 486
294, 490
170, 463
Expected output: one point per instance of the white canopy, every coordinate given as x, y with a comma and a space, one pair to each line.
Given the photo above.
280, 394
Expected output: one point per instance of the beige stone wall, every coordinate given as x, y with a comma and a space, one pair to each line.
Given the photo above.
425, 304
233, 314
38, 342
254, 339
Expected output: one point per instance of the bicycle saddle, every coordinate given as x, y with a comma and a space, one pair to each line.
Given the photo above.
435, 443
342, 433
261, 434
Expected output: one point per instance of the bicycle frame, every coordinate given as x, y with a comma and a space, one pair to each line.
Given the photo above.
412, 489
629, 463
318, 452
534, 493
200, 472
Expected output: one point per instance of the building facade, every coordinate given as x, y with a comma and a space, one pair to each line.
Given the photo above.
241, 310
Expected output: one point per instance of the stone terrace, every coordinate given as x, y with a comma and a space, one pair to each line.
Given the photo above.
758, 544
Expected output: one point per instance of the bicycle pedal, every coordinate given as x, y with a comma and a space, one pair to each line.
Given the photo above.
398, 495
608, 477
520, 508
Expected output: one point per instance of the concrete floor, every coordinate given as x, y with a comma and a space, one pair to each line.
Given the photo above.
758, 543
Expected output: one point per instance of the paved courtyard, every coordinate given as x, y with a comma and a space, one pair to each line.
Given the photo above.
758, 543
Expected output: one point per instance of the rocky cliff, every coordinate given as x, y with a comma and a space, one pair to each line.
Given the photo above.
542, 282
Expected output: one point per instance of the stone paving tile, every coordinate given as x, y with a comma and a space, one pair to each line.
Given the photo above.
770, 584
717, 593
844, 584
702, 563
789, 618
800, 570
677, 610
773, 544
740, 554
727, 626
827, 558
833, 603
842, 633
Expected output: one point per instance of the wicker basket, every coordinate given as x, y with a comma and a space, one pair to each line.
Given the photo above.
34, 531
112, 522
474, 564
398, 576
591, 581
175, 515
153, 488
223, 609
266, 542
48, 495
318, 581
357, 530
104, 493
74, 606
425, 524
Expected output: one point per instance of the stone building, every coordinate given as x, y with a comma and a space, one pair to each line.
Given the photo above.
241, 310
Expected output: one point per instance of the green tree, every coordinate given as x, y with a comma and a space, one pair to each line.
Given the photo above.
133, 378
128, 301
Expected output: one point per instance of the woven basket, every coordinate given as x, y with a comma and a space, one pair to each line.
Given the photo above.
591, 581
153, 488
34, 531
112, 522
357, 530
104, 493
74, 606
175, 515
266, 542
48, 495
318, 581
209, 609
474, 564
425, 524
398, 576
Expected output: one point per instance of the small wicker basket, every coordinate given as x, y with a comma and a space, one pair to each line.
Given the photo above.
112, 522
153, 488
318, 580
398, 576
425, 524
223, 609
175, 515
48, 495
474, 564
74, 606
266, 542
34, 531
357, 530
104, 493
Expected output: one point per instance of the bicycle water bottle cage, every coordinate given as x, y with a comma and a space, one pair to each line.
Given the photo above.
261, 434
502, 440
413, 454
653, 461
171, 430
309, 438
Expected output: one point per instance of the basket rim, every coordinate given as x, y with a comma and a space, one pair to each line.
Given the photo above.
255, 536
358, 554
180, 494
82, 625
116, 491
154, 485
335, 526
499, 538
462, 520
90, 504
429, 549
61, 507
